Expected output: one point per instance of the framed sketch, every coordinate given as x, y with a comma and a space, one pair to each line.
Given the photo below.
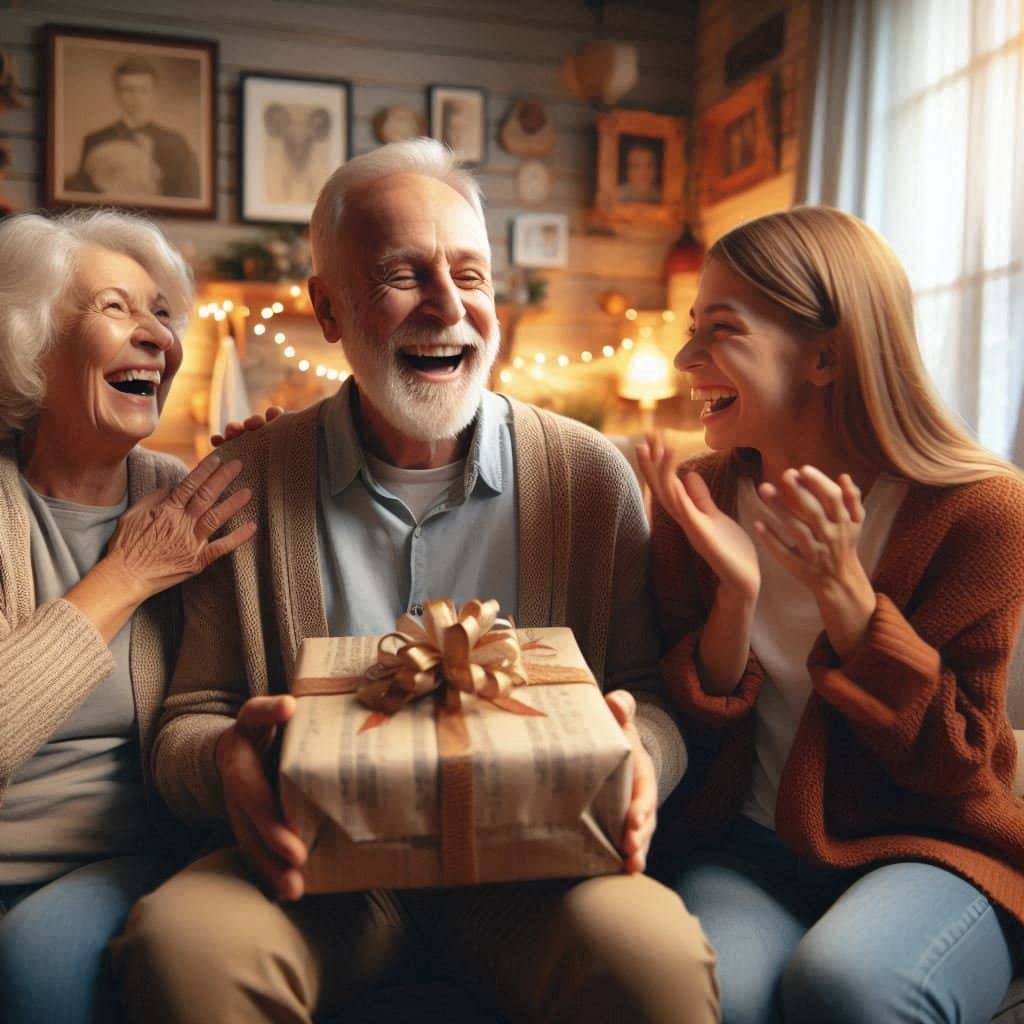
640, 168
540, 240
458, 117
131, 121
294, 133
737, 141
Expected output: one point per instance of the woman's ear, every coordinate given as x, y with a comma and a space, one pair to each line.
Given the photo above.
326, 308
826, 363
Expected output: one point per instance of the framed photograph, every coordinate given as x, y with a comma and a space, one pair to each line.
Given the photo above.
737, 141
458, 117
640, 167
294, 133
131, 122
540, 240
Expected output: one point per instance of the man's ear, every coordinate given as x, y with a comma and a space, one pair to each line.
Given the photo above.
326, 307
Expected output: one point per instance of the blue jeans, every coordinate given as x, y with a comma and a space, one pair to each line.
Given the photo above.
53, 939
904, 943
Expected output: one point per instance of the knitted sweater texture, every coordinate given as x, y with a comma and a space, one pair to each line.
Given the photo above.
904, 750
583, 557
52, 656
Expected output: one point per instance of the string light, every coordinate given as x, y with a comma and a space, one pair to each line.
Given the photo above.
219, 312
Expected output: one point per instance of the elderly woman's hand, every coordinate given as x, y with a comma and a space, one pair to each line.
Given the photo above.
162, 540
254, 422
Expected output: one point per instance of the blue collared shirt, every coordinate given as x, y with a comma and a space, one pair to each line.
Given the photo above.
377, 562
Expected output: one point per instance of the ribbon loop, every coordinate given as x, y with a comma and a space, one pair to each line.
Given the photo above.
462, 650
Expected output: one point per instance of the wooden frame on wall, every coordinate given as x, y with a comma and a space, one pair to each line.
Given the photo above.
293, 134
458, 118
737, 141
640, 167
131, 121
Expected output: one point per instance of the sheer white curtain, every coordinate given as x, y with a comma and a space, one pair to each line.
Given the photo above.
917, 125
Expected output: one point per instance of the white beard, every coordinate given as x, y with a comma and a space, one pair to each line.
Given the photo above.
418, 409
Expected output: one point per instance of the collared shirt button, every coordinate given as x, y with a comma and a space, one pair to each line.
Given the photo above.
418, 532
416, 609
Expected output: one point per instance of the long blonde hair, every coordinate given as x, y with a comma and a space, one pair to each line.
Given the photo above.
833, 273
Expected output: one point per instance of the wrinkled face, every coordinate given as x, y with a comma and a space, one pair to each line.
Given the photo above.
757, 376
415, 311
109, 373
136, 93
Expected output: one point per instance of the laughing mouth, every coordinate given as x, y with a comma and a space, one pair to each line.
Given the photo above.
136, 382
714, 399
434, 358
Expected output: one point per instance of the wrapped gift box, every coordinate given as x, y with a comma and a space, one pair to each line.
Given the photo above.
441, 794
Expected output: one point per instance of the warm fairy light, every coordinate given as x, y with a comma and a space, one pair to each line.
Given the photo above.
608, 351
630, 314
626, 343
260, 329
518, 363
332, 374
277, 307
505, 376
668, 316
266, 312
303, 365
227, 305
540, 358
563, 360
289, 352
586, 356
295, 291
280, 338
321, 370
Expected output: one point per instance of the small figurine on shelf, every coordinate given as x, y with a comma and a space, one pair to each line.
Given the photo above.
283, 257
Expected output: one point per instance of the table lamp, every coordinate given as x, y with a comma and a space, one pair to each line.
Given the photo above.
649, 377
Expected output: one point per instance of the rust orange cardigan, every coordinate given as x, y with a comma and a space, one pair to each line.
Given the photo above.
904, 750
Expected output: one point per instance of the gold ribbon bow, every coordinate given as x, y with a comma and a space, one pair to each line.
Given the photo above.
454, 648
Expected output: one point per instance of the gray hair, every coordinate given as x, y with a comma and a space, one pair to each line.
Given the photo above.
37, 262
411, 156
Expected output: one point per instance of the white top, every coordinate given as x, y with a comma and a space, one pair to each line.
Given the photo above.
419, 490
786, 624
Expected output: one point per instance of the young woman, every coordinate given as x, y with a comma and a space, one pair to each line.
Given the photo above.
841, 582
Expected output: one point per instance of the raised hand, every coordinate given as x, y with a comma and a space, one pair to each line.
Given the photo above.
642, 815
716, 537
271, 849
254, 422
811, 525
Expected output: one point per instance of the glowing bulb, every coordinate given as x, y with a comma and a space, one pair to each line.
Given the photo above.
586, 356
260, 329
607, 351
266, 312
505, 376
277, 307
332, 374
295, 291
517, 363
668, 316
279, 338
630, 314
228, 306
303, 365
563, 360
289, 351
540, 359
321, 371
627, 343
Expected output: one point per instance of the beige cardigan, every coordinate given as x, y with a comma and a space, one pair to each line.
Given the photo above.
583, 544
52, 657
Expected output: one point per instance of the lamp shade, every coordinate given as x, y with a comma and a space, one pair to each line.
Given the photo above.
602, 71
649, 376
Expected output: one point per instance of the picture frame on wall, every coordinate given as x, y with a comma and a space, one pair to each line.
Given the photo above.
458, 118
131, 121
738, 141
640, 167
540, 240
293, 134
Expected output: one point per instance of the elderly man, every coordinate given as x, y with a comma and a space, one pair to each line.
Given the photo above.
411, 482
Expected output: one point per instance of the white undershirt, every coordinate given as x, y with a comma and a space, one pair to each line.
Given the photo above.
418, 489
786, 624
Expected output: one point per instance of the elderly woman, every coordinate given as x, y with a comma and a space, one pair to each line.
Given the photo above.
93, 532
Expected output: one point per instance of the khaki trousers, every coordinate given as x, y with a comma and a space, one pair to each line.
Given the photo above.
208, 947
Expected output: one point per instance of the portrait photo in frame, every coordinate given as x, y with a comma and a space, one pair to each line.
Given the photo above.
540, 240
294, 133
458, 118
131, 121
737, 141
640, 167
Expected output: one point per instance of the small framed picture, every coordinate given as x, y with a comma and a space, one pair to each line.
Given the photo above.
540, 240
737, 141
294, 133
131, 121
458, 118
640, 168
